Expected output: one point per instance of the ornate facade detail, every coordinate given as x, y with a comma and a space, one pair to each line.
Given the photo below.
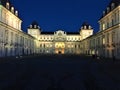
13, 41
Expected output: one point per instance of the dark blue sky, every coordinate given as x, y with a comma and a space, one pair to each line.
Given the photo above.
67, 15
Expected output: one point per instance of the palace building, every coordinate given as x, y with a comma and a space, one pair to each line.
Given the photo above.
105, 43
60, 42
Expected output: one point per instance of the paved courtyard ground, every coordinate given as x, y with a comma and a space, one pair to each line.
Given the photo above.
59, 72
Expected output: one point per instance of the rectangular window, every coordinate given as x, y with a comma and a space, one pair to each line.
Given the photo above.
103, 40
103, 26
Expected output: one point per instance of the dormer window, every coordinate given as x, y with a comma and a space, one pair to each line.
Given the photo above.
112, 6
16, 13
103, 13
108, 9
81, 27
35, 26
30, 26
85, 27
7, 5
89, 27
12, 9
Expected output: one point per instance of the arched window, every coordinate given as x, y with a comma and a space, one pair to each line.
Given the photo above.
12, 9
30, 26
7, 5
89, 27
35, 26
85, 27
16, 13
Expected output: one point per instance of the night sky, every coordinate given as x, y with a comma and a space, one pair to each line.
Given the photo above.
67, 15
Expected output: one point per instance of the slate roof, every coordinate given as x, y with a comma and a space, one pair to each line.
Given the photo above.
47, 32
86, 24
34, 23
72, 33
116, 3
3, 2
68, 33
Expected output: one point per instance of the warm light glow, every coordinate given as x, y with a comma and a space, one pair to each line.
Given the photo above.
60, 45
59, 48
103, 26
12, 9
93, 52
7, 5
16, 13
103, 40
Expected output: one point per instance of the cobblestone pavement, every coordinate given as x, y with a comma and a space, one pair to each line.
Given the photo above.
59, 72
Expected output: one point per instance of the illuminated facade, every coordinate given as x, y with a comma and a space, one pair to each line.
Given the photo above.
105, 43
13, 41
60, 42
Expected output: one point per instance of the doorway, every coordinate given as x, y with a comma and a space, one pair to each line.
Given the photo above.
59, 48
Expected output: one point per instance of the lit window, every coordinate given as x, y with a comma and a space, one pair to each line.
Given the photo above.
89, 27
103, 26
68, 46
103, 39
72, 46
7, 5
12, 9
50, 45
16, 13
35, 26
85, 27
68, 38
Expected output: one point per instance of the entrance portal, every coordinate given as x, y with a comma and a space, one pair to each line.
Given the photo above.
59, 52
59, 48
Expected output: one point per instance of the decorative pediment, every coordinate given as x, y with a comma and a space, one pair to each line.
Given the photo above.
60, 33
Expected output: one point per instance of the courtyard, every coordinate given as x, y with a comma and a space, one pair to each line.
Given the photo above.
59, 72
